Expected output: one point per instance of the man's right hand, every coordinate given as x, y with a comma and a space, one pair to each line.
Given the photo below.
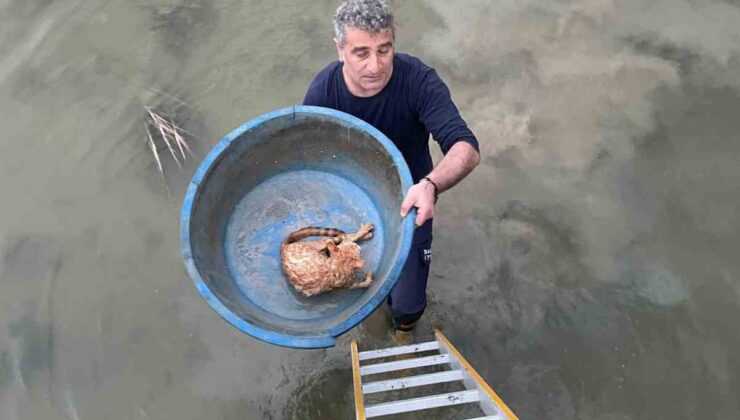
420, 196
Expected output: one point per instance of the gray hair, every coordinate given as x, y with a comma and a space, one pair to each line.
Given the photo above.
370, 16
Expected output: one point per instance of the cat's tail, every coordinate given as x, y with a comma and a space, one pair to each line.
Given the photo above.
312, 231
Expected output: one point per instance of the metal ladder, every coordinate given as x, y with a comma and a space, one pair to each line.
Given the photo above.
476, 389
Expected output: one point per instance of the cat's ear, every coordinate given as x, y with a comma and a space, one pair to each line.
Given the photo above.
331, 246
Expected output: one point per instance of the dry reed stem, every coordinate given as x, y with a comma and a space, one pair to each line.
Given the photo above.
154, 151
170, 136
174, 131
181, 141
156, 158
157, 91
162, 125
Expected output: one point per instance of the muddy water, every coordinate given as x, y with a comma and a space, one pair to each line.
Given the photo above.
588, 268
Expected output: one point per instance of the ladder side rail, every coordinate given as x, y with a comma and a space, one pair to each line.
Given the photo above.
357, 381
487, 404
490, 402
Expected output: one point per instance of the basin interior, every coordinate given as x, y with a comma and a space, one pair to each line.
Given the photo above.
284, 174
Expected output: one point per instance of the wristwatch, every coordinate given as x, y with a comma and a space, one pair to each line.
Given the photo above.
436, 188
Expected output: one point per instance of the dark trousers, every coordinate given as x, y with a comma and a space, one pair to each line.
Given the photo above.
408, 298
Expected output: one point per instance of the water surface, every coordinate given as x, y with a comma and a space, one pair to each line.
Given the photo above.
588, 268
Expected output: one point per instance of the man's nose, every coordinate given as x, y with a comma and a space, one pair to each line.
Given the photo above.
374, 65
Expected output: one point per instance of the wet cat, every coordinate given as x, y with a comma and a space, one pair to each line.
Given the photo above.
315, 267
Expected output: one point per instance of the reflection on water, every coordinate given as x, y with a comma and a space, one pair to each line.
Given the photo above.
587, 268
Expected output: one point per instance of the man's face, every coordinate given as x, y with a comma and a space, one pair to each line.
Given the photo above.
368, 60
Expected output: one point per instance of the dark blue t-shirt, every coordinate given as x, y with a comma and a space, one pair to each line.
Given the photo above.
414, 103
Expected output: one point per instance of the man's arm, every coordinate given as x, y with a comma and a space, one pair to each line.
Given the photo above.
459, 161
440, 116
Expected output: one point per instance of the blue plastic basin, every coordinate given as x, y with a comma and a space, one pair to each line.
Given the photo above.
285, 170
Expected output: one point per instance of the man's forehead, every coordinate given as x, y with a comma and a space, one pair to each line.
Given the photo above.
358, 38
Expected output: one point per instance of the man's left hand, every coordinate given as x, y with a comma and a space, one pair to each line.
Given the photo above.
420, 196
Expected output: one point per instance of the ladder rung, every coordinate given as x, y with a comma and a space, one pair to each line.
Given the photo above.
496, 417
404, 364
412, 381
423, 403
394, 351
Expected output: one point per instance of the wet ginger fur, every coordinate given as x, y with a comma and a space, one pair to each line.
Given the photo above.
319, 266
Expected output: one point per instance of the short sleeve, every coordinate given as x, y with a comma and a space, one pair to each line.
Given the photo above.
439, 114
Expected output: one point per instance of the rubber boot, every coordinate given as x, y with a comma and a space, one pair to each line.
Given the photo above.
404, 334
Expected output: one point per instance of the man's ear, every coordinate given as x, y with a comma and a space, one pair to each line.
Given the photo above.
340, 50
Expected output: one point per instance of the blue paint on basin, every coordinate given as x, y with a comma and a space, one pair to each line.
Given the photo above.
291, 168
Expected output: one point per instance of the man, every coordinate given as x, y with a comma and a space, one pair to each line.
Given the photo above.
406, 100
